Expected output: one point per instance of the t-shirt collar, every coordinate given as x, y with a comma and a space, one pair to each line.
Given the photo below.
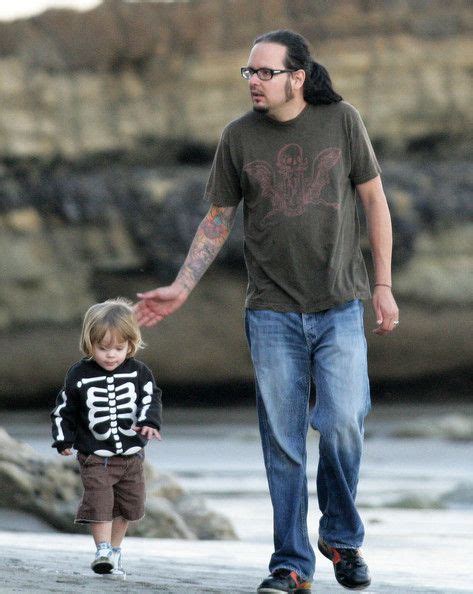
299, 116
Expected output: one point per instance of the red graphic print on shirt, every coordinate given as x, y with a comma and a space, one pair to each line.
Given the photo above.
289, 189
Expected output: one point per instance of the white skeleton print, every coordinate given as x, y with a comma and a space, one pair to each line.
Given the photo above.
97, 412
107, 406
148, 389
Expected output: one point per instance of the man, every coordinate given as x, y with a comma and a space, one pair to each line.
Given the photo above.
298, 160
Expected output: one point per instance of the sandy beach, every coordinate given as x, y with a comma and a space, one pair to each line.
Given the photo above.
409, 552
414, 495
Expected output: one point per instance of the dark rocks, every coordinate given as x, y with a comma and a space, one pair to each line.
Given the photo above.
453, 427
71, 235
461, 497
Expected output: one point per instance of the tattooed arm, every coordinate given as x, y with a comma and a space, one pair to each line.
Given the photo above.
211, 234
209, 239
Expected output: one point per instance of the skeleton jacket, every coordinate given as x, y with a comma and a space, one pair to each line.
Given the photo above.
96, 409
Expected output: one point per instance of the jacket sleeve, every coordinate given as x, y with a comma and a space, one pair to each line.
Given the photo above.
149, 409
64, 417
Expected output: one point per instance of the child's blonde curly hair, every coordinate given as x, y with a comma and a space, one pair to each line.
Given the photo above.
115, 316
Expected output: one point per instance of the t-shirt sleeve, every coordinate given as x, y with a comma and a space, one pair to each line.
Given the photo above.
223, 186
364, 165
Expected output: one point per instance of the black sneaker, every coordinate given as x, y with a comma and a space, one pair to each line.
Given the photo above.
283, 580
350, 568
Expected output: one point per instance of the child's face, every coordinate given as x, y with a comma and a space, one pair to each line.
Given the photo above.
110, 352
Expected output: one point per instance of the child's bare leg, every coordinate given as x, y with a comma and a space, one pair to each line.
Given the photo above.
119, 528
101, 531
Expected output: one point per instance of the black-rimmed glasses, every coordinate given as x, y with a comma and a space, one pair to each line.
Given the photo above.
261, 73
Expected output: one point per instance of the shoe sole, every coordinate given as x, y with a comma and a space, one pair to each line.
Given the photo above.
273, 591
326, 553
102, 567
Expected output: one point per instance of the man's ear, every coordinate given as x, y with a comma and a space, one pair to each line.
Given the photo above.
299, 78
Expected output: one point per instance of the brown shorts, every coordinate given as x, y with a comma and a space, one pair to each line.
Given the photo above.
113, 487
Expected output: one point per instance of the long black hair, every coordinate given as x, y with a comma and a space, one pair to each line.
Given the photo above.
318, 85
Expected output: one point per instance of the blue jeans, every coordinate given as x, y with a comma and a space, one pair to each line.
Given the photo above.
288, 350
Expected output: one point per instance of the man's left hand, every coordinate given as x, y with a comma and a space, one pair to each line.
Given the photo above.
386, 310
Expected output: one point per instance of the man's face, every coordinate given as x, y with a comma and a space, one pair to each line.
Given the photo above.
269, 95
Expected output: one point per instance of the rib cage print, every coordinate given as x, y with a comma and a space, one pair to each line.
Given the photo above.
111, 404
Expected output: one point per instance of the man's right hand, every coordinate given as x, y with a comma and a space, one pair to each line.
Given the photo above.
155, 305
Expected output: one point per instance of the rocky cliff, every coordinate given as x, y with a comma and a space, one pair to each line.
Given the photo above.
108, 120
129, 73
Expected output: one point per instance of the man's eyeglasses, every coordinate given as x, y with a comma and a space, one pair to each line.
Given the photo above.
261, 73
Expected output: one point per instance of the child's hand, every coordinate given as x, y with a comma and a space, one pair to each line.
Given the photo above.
148, 432
66, 452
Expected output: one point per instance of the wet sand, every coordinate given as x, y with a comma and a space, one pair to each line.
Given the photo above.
408, 551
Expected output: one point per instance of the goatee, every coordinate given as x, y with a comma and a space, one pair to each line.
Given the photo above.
262, 109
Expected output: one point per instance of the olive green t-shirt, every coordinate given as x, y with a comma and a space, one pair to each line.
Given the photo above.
297, 181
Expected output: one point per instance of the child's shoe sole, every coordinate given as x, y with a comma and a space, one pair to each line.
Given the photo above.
273, 591
304, 588
102, 565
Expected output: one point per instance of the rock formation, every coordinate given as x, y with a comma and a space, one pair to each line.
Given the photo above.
108, 122
52, 490
129, 73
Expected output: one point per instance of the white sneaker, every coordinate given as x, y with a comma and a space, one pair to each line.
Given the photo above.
103, 559
117, 562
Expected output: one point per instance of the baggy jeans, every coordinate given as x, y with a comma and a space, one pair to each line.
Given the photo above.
288, 350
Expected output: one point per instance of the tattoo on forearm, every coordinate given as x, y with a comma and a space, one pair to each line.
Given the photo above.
209, 239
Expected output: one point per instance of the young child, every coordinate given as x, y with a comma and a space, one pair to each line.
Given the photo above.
108, 409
